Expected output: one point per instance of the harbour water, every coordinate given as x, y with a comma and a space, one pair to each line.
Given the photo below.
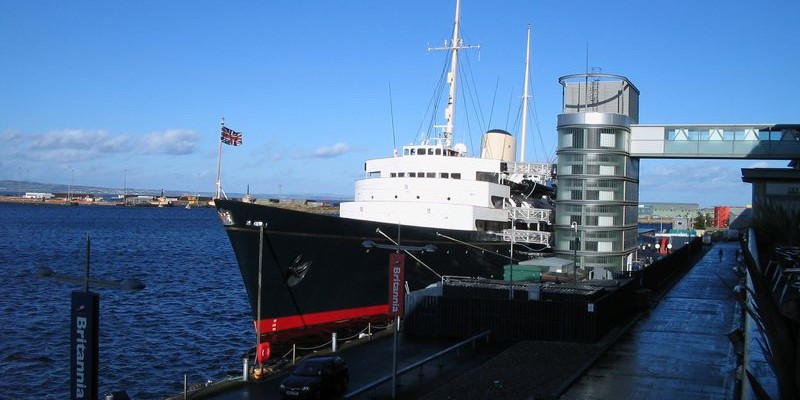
192, 317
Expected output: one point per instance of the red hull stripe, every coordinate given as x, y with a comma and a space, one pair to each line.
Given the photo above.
300, 321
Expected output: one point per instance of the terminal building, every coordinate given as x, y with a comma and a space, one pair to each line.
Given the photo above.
600, 145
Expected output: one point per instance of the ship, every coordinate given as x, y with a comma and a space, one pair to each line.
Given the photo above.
450, 213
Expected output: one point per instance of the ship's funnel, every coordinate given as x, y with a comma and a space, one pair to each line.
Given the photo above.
498, 144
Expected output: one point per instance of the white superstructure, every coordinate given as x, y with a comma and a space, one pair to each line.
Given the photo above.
435, 184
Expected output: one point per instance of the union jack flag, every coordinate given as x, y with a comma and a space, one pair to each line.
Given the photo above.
231, 137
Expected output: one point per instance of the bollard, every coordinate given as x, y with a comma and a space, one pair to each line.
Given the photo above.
333, 342
185, 386
245, 368
294, 352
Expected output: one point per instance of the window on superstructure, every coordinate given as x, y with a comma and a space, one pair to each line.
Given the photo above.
413, 152
421, 152
401, 174
497, 201
392, 175
438, 152
430, 152
412, 174
486, 176
430, 175
444, 175
420, 174
374, 174
405, 152
455, 175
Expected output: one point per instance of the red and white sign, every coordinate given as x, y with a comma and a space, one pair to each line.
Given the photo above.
397, 293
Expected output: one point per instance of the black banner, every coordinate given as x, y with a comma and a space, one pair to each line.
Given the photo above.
84, 327
397, 292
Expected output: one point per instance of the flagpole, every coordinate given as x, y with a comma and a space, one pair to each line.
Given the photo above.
219, 161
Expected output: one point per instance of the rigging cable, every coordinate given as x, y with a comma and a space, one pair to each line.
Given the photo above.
378, 230
391, 113
470, 245
433, 105
494, 99
508, 112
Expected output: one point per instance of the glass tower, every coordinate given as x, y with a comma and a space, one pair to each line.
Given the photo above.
598, 181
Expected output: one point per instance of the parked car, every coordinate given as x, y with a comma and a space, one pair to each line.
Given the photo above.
318, 377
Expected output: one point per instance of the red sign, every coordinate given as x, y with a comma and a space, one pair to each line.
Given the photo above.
397, 293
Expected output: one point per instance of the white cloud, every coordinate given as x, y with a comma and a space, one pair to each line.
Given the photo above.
171, 141
330, 152
66, 145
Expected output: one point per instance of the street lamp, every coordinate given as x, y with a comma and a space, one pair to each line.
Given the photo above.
574, 226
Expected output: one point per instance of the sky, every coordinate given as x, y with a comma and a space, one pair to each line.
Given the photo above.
131, 94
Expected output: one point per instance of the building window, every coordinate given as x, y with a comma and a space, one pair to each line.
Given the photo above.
607, 140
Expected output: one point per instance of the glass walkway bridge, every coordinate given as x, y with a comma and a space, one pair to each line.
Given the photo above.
763, 142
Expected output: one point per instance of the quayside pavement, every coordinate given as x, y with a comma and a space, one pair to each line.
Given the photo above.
680, 350
677, 350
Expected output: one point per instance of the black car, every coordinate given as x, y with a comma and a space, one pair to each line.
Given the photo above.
318, 377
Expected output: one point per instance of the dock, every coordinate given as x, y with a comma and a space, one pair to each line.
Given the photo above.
680, 348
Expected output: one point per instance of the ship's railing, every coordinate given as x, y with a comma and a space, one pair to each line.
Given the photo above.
466, 281
523, 236
543, 169
529, 215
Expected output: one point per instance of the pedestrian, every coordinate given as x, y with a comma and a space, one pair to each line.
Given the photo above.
720, 254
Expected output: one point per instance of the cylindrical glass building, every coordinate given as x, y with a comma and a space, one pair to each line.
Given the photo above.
598, 181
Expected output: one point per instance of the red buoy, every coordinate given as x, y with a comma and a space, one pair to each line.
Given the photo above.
262, 352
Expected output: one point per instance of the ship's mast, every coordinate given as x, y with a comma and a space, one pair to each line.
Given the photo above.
525, 96
455, 44
449, 112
